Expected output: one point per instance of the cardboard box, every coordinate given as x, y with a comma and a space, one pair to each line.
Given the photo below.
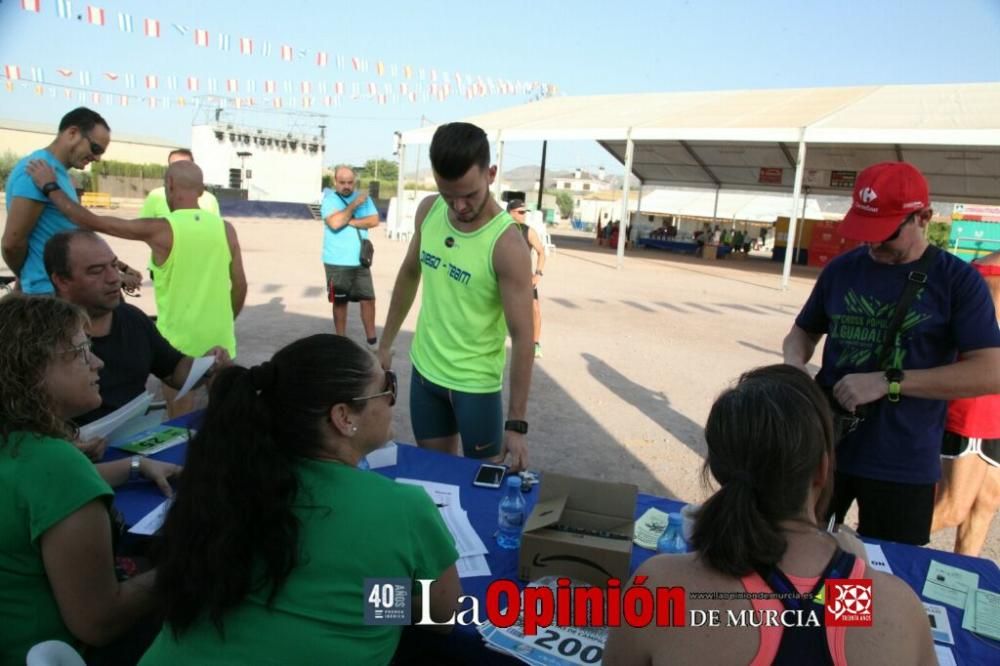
579, 528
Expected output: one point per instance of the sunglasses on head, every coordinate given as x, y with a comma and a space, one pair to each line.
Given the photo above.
391, 384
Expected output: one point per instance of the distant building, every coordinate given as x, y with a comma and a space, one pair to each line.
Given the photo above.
603, 207
270, 165
583, 182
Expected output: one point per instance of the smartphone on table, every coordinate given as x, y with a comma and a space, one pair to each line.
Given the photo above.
489, 476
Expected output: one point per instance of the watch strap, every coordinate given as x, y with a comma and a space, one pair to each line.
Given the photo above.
50, 187
515, 425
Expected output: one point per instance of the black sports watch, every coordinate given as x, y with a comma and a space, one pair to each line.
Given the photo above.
894, 376
49, 188
516, 426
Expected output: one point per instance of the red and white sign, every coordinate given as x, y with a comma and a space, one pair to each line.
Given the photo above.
769, 176
201, 37
844, 179
95, 15
848, 602
246, 46
151, 27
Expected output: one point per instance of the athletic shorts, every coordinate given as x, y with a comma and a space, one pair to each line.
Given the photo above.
954, 445
349, 283
436, 411
887, 510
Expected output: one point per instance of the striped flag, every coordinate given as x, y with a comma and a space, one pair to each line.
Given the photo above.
151, 27
265, 49
381, 99
97, 98
151, 82
407, 71
251, 86
339, 87
192, 83
356, 63
37, 75
64, 9
152, 102
181, 29
95, 15
85, 79
341, 60
306, 88
232, 85
39, 89
65, 72
171, 82
322, 88
223, 42
355, 90
413, 96
124, 22
246, 46
328, 100
13, 72
269, 87
286, 52
277, 102
372, 88
321, 58
31, 5
394, 71
306, 102
201, 37
213, 86
379, 68
111, 76
287, 85
130, 80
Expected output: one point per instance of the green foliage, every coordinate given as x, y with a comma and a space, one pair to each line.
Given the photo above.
386, 170
7, 162
937, 234
327, 181
564, 201
128, 169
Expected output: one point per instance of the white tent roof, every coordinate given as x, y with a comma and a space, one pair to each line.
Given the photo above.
732, 205
723, 139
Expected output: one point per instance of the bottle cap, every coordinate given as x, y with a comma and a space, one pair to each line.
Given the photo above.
514, 481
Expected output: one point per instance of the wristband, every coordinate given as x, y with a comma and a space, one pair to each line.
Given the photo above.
49, 188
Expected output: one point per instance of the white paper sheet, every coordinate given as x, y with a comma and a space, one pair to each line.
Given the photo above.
443, 494
472, 566
877, 558
944, 655
384, 457
447, 498
198, 370
153, 520
940, 625
107, 425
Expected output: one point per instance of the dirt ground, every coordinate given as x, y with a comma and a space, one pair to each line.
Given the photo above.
633, 358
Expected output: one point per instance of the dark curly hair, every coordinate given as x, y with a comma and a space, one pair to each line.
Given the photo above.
31, 327
232, 529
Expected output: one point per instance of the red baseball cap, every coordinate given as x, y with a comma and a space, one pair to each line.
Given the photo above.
885, 195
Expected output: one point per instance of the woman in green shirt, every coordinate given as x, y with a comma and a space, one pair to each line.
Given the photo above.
57, 573
274, 528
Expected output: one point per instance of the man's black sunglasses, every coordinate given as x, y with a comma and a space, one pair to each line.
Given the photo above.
95, 148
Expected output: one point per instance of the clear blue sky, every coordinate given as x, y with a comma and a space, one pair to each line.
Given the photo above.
582, 46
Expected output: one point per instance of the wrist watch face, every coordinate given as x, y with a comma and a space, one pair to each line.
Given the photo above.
516, 426
894, 375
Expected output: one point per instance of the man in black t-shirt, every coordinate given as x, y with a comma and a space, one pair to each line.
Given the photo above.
81, 266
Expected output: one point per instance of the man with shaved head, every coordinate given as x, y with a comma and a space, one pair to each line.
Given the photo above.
348, 215
200, 284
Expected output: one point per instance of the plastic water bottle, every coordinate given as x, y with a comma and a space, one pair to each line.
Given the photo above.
510, 515
363, 464
672, 539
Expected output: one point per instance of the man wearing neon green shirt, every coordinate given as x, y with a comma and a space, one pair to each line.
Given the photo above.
200, 283
155, 204
476, 272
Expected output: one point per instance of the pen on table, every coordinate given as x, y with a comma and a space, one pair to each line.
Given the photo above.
831, 526
440, 506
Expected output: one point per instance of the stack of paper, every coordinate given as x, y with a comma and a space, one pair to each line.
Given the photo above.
109, 425
649, 528
960, 588
552, 645
471, 549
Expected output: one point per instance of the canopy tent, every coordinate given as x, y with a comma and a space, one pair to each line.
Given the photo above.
758, 139
744, 206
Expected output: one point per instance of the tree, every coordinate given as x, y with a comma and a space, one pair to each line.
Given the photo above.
385, 169
564, 200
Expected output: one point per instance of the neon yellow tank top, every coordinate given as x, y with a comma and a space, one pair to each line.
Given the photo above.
461, 330
193, 302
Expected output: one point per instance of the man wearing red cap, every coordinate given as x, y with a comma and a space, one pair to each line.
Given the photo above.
889, 460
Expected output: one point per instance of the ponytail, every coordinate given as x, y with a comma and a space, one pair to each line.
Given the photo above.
766, 438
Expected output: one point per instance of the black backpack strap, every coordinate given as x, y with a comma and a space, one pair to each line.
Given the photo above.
915, 280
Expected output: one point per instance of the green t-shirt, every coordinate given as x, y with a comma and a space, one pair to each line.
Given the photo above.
355, 525
193, 286
155, 204
42, 481
461, 331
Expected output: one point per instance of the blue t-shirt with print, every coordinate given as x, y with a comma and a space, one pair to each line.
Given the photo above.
342, 247
852, 303
33, 278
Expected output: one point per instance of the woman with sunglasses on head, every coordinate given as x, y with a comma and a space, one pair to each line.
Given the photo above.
770, 447
274, 528
57, 568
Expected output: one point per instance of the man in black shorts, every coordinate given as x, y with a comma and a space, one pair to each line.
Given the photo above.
516, 209
347, 216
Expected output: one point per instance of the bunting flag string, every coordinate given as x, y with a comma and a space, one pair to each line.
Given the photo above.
202, 37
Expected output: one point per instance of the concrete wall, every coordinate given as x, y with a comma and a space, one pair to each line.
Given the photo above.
281, 168
22, 141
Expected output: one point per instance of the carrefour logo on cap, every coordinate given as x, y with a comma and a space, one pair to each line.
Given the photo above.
868, 195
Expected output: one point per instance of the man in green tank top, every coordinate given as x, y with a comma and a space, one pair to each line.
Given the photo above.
200, 284
476, 273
